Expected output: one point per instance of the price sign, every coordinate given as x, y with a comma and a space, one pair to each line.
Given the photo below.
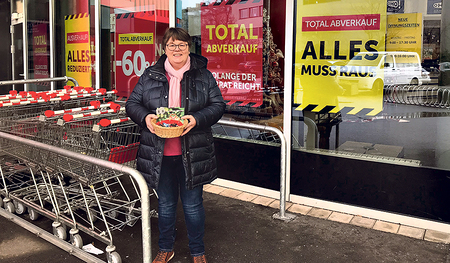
134, 48
133, 63
138, 38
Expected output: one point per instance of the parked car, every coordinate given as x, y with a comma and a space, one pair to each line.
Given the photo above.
373, 70
444, 66
431, 65
425, 77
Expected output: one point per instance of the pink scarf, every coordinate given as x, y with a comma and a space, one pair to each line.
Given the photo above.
175, 82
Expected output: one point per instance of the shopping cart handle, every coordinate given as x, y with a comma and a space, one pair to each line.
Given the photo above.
49, 113
115, 107
78, 88
105, 122
68, 117
95, 104
89, 89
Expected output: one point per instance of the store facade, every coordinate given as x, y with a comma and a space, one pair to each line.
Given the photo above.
374, 76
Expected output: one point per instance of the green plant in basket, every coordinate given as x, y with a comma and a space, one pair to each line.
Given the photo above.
169, 117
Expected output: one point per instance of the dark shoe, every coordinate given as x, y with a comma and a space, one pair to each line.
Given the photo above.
200, 259
164, 257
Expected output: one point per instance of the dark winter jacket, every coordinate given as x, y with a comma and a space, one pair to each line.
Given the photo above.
201, 98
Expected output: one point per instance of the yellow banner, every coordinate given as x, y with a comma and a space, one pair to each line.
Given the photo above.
78, 54
136, 39
404, 32
330, 36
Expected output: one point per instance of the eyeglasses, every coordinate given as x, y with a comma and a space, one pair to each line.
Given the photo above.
172, 47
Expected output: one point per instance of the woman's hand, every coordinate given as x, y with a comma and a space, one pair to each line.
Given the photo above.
191, 124
148, 122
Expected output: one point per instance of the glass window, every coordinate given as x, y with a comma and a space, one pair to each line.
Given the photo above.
244, 44
38, 43
243, 13
132, 34
374, 75
75, 41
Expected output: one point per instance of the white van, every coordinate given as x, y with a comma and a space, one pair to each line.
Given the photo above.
374, 70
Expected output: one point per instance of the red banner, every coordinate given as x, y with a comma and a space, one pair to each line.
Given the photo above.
138, 38
78, 37
41, 52
341, 23
232, 40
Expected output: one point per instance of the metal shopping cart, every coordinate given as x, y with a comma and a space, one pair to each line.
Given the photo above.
82, 196
55, 198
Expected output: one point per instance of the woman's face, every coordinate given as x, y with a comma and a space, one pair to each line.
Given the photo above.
177, 55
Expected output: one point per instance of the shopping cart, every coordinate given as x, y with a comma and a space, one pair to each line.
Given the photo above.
37, 103
84, 197
14, 175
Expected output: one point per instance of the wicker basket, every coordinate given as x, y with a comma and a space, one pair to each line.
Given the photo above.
169, 132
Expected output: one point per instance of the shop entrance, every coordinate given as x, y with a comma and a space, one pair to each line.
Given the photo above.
5, 48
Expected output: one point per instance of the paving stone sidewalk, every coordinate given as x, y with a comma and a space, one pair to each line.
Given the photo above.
242, 230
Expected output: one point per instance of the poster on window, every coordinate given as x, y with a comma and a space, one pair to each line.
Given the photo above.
338, 47
404, 32
41, 53
138, 38
232, 41
78, 49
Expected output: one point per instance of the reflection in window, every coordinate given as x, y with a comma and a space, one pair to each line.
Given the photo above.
389, 62
244, 52
243, 13
254, 12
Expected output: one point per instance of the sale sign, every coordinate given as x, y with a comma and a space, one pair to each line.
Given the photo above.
338, 45
78, 53
41, 52
338, 48
232, 41
138, 38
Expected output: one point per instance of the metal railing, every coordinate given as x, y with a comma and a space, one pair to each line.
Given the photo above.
312, 135
28, 81
282, 213
143, 187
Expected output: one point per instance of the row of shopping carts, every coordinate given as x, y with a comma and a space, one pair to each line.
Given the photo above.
76, 196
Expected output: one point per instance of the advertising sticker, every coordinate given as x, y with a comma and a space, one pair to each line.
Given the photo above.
78, 54
137, 46
404, 32
337, 48
232, 40
41, 54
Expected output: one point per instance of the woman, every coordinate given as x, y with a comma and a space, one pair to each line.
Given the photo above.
178, 167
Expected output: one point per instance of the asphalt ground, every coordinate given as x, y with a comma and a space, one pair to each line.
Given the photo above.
241, 232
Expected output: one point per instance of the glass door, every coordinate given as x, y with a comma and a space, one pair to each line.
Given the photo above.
134, 36
17, 20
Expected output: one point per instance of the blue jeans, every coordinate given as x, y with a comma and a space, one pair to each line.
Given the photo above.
171, 185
